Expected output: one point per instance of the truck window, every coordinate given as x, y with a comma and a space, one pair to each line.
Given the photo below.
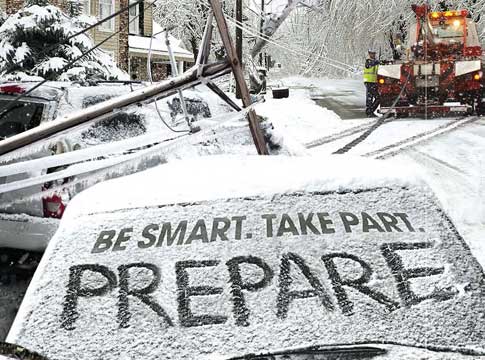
450, 30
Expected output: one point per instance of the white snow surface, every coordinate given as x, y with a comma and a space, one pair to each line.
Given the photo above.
236, 176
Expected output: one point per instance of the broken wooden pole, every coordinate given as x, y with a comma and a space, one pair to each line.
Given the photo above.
190, 78
236, 65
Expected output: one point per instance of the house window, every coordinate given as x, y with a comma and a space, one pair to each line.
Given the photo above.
85, 6
134, 19
106, 8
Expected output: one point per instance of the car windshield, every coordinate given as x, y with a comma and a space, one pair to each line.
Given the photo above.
19, 117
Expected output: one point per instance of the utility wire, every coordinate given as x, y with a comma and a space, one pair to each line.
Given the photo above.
119, 12
150, 78
321, 59
258, 34
9, 105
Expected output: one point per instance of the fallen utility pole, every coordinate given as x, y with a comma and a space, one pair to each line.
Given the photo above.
109, 107
236, 65
201, 72
239, 38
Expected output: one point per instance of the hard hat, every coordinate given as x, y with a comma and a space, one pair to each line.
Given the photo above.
371, 51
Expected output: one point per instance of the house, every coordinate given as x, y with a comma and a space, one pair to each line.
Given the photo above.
140, 46
131, 46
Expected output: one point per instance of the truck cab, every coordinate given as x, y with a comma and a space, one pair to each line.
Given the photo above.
442, 70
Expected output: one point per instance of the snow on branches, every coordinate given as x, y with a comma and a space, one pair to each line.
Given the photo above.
331, 37
35, 45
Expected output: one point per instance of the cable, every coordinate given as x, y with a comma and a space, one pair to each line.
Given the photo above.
59, 71
258, 35
261, 36
119, 12
290, 49
150, 78
374, 126
163, 120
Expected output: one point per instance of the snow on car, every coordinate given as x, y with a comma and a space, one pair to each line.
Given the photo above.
33, 228
28, 221
224, 257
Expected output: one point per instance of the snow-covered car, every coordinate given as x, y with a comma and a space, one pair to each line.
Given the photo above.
30, 224
260, 258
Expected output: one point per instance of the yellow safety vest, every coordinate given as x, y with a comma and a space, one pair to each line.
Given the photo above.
370, 74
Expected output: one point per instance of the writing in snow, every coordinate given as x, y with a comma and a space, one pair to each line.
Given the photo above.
184, 232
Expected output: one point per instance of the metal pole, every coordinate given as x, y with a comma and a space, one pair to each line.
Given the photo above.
239, 39
175, 73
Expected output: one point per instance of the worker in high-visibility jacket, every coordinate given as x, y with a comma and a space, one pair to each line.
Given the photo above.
370, 81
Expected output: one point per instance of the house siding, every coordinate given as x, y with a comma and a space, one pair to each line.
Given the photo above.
98, 35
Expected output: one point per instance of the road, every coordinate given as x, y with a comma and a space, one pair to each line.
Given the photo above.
348, 104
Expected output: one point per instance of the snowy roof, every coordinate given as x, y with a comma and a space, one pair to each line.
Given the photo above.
141, 44
226, 256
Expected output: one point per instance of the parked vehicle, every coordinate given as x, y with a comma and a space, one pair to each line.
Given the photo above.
260, 258
30, 224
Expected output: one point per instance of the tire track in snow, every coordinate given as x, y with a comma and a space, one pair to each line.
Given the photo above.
340, 135
420, 154
396, 148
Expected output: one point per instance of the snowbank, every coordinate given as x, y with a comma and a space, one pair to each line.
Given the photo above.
299, 117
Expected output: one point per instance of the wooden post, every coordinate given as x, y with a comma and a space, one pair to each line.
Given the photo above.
239, 39
256, 132
106, 108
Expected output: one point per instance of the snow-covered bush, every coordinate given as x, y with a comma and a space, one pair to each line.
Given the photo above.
35, 44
